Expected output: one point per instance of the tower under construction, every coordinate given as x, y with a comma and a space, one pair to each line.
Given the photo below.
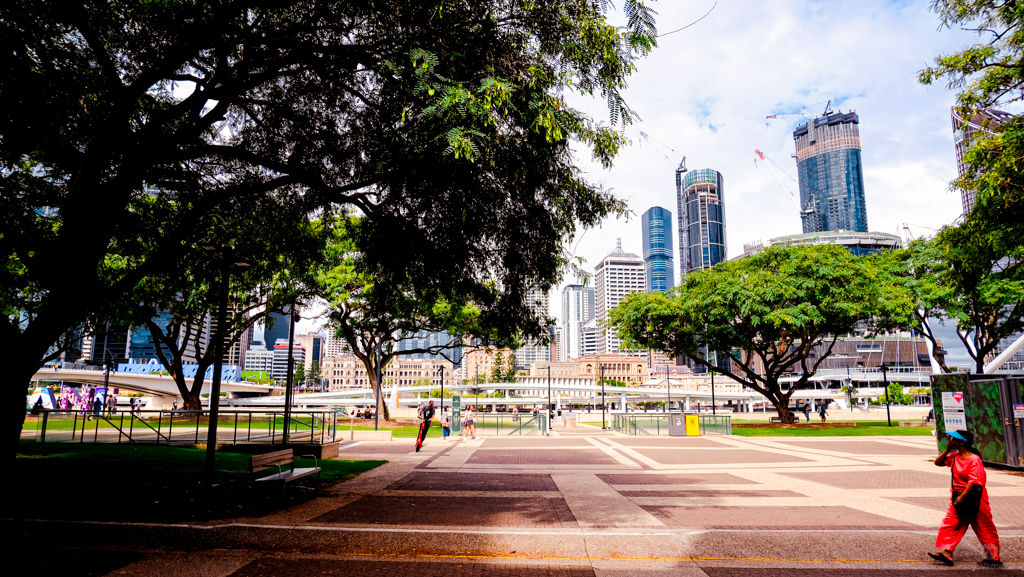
830, 173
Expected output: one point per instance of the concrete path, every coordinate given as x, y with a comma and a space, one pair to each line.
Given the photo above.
588, 502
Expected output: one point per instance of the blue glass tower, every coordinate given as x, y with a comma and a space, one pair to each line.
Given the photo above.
830, 173
701, 219
657, 230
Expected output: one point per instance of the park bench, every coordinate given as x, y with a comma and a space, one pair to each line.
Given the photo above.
278, 459
775, 419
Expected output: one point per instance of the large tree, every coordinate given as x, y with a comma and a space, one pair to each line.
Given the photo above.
125, 123
768, 313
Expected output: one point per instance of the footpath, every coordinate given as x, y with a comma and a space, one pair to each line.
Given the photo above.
583, 502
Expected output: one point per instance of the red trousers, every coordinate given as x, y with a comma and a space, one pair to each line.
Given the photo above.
954, 528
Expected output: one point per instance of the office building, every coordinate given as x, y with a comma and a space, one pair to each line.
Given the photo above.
438, 341
830, 173
535, 351
314, 345
963, 137
656, 225
259, 358
701, 205
558, 344
279, 369
858, 243
276, 326
617, 275
334, 345
589, 335
577, 310
112, 343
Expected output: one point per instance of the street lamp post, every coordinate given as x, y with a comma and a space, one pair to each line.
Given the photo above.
713, 410
549, 401
885, 381
442, 388
668, 381
288, 383
604, 425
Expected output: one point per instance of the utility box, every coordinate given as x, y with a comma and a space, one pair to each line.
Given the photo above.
990, 406
682, 425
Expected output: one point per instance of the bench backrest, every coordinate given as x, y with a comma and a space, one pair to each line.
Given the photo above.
267, 460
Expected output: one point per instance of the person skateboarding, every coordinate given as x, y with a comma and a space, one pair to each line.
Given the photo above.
427, 414
968, 504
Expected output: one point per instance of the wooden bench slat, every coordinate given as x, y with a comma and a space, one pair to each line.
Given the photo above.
290, 475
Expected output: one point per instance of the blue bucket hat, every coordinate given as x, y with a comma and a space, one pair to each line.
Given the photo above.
956, 435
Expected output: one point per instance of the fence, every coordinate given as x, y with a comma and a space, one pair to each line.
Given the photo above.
184, 427
523, 424
657, 424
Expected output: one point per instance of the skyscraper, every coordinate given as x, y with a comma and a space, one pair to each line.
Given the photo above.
701, 219
535, 351
577, 310
619, 274
657, 236
280, 330
963, 136
830, 173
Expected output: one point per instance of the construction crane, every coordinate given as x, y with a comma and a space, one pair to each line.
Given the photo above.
804, 212
828, 110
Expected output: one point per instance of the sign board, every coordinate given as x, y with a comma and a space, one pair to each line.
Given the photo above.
1018, 411
953, 417
456, 413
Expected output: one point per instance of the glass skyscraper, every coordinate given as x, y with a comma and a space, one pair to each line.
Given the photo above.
830, 173
701, 219
657, 231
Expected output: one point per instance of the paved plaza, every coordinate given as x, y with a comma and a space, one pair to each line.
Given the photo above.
591, 502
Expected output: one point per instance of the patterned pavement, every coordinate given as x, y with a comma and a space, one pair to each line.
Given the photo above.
593, 502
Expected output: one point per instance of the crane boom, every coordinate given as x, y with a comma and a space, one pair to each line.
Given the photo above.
779, 180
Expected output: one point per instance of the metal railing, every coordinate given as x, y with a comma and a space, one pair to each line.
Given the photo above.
509, 425
657, 424
181, 427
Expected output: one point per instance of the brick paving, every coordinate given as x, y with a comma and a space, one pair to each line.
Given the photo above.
864, 447
759, 517
473, 482
802, 572
717, 457
711, 493
887, 478
274, 566
1006, 510
674, 479
527, 442
450, 511
682, 442
593, 456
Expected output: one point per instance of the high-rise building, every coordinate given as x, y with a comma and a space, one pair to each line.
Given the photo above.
577, 310
830, 173
589, 336
558, 344
111, 343
276, 326
656, 225
425, 340
535, 351
700, 201
334, 345
617, 275
314, 345
279, 370
963, 135
259, 358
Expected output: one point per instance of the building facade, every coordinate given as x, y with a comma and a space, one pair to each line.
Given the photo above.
617, 275
577, 311
279, 369
963, 138
334, 345
701, 204
630, 370
589, 336
656, 226
858, 243
829, 170
314, 345
259, 358
535, 351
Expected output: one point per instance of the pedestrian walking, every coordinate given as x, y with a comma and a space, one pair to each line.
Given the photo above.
968, 503
446, 424
426, 414
822, 412
470, 422
111, 404
807, 413
97, 406
515, 414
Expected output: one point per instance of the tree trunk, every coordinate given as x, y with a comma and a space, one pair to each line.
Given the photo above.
782, 406
25, 352
381, 403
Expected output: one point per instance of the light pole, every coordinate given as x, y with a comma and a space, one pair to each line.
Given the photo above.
442, 388
549, 401
668, 380
604, 425
713, 392
288, 383
885, 380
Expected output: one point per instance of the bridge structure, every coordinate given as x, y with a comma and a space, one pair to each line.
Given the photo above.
161, 387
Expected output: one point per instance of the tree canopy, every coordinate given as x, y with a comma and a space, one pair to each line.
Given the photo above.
124, 124
766, 312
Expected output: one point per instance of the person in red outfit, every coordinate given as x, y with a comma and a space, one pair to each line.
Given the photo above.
969, 504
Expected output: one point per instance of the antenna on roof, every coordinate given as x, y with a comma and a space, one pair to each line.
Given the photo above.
618, 244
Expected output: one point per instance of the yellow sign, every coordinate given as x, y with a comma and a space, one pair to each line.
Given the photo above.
692, 426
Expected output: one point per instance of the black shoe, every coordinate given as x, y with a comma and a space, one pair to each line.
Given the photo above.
417, 448
941, 558
987, 562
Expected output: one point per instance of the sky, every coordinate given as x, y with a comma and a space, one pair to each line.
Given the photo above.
706, 90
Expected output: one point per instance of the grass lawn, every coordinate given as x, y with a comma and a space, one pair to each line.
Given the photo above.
154, 483
863, 429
